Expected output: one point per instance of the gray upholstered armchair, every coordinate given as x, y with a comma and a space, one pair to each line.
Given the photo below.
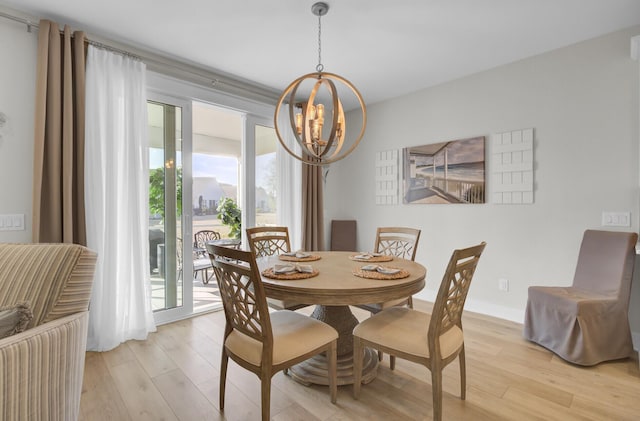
41, 368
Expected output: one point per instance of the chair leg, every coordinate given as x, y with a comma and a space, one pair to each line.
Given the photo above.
463, 374
380, 353
265, 385
358, 355
332, 355
223, 376
392, 362
436, 386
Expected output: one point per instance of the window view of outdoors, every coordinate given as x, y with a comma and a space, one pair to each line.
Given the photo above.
215, 208
215, 178
266, 176
165, 204
214, 204
216, 161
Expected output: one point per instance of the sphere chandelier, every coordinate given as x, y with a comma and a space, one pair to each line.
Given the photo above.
312, 98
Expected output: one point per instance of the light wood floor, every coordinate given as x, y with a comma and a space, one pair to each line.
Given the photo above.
174, 376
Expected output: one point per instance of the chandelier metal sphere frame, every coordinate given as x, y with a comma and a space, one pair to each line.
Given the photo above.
319, 144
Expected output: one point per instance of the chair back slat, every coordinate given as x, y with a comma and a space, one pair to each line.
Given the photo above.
242, 292
397, 241
267, 241
202, 237
449, 304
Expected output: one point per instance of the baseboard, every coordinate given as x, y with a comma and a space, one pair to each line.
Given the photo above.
494, 310
489, 309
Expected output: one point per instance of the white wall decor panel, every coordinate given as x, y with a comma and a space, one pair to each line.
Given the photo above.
387, 177
512, 167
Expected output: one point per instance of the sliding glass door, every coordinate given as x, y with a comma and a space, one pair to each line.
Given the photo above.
203, 147
169, 123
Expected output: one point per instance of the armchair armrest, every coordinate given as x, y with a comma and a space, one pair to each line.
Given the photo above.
41, 370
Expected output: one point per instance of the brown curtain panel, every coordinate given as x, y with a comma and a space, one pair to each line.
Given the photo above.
58, 171
312, 208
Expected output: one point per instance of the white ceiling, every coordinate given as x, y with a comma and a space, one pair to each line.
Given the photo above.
386, 48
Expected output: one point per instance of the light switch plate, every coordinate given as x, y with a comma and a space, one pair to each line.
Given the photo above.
13, 222
616, 219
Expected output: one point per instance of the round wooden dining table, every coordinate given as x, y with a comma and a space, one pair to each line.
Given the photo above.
333, 290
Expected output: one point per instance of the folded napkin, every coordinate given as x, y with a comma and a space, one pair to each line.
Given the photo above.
367, 255
297, 254
292, 268
380, 269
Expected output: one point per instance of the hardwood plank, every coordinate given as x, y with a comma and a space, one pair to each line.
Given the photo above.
175, 375
237, 405
151, 356
192, 364
531, 403
100, 397
294, 412
184, 398
597, 410
140, 395
118, 355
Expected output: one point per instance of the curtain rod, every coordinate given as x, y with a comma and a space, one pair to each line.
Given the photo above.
162, 64
18, 19
31, 25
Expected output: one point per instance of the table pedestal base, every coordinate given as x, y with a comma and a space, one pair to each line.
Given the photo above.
315, 370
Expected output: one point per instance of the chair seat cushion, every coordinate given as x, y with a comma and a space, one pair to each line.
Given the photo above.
294, 334
582, 327
571, 299
405, 330
201, 264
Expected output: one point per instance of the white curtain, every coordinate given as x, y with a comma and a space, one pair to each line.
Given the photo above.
116, 186
289, 198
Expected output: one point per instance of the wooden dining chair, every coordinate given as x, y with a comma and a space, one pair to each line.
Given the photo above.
257, 340
268, 241
433, 340
398, 242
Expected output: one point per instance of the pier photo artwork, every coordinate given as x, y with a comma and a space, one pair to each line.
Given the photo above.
445, 172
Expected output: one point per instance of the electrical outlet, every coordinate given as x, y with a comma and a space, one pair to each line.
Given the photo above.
503, 284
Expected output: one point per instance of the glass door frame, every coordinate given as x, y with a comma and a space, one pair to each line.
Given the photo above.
186, 309
255, 110
249, 174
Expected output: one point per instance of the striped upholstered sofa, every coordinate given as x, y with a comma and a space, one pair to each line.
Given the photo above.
41, 368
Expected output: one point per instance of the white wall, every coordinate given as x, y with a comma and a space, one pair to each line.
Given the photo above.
17, 92
582, 102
